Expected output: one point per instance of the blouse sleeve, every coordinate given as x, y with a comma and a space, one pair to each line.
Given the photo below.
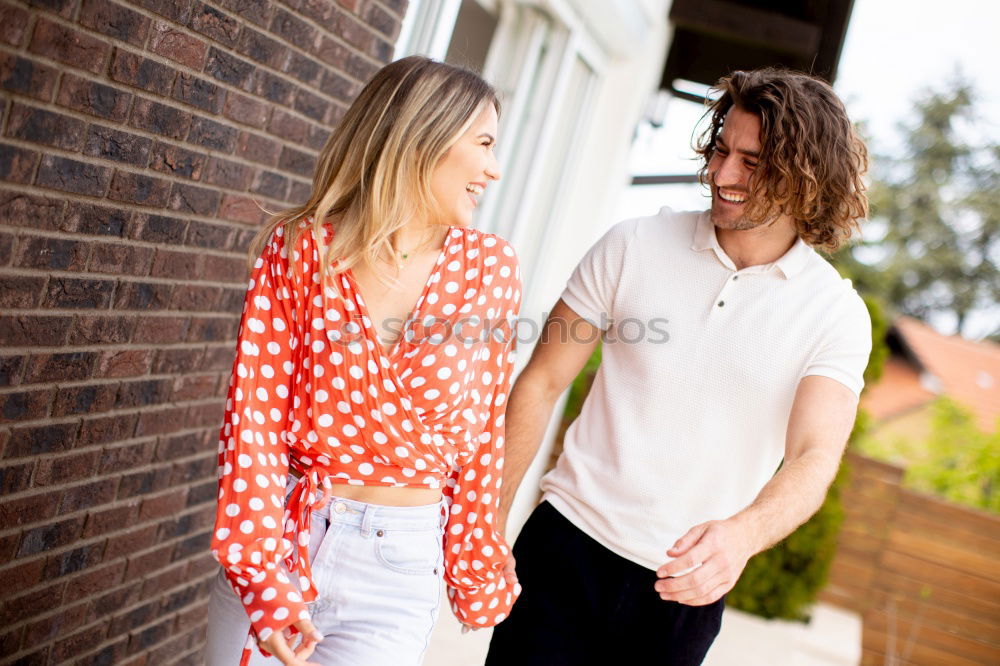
253, 449
475, 551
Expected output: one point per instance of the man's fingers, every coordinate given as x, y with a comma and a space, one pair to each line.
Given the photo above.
692, 537
687, 563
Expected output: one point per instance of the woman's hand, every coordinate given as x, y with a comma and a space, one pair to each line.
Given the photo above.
278, 644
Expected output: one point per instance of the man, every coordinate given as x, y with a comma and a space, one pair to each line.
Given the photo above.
667, 484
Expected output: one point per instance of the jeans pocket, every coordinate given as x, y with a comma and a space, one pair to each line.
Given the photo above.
412, 552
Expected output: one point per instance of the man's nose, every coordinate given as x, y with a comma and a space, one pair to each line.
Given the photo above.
729, 171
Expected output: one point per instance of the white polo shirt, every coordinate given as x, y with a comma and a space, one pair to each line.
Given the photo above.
687, 415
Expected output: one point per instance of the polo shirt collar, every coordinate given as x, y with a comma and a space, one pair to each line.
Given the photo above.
790, 263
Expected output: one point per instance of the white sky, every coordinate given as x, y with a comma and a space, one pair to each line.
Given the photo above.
895, 49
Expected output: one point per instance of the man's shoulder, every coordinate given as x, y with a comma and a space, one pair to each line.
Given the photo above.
664, 225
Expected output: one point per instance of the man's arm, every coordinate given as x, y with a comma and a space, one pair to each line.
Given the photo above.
566, 343
821, 420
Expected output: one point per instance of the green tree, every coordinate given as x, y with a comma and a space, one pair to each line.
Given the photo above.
933, 242
961, 462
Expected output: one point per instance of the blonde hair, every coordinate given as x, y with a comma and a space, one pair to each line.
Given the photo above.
374, 173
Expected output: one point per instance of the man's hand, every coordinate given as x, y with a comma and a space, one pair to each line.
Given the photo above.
713, 554
278, 644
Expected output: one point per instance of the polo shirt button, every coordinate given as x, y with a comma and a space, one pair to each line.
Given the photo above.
721, 303
736, 277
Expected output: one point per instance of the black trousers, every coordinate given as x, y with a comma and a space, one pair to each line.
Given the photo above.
582, 604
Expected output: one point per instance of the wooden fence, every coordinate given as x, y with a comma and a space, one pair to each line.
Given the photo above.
923, 573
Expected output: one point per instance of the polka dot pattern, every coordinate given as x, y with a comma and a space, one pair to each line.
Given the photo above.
314, 391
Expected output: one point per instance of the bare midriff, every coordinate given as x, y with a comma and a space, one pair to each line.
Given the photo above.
385, 495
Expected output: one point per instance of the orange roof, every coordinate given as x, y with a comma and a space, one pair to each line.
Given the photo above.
968, 372
897, 391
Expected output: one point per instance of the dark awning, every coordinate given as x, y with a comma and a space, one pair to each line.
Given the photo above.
714, 37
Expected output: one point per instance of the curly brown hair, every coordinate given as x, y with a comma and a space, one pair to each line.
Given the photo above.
811, 159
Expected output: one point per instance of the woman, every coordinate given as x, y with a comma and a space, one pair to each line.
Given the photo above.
360, 458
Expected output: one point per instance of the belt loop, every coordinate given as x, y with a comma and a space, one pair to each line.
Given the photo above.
366, 521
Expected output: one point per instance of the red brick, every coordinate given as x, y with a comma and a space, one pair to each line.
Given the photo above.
88, 495
110, 520
182, 446
178, 11
176, 264
178, 161
57, 624
196, 297
64, 366
310, 105
35, 440
193, 199
27, 77
305, 69
258, 149
143, 483
34, 330
13, 24
130, 542
255, 11
102, 329
13, 479
173, 361
178, 46
212, 135
228, 174
134, 70
229, 268
111, 602
24, 405
67, 292
159, 228
134, 617
139, 189
71, 561
333, 53
22, 574
126, 456
107, 428
261, 48
287, 126
143, 296
148, 562
25, 210
61, 254
92, 399
160, 119
113, 144
208, 415
47, 537
114, 20
219, 357
199, 469
194, 617
80, 642
48, 128
272, 87
229, 69
246, 110
22, 291
96, 99
31, 604
337, 86
240, 208
65, 469
297, 162
94, 581
214, 24
143, 393
160, 421
124, 363
120, 259
96, 220
61, 173
198, 92
17, 165
149, 636
270, 184
162, 330
69, 46
15, 512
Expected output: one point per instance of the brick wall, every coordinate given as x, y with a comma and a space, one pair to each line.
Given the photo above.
137, 144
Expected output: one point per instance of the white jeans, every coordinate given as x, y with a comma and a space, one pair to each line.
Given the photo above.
378, 573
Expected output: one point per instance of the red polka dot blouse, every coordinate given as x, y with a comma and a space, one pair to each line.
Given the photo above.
313, 391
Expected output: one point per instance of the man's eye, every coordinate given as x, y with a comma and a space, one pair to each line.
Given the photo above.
751, 165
